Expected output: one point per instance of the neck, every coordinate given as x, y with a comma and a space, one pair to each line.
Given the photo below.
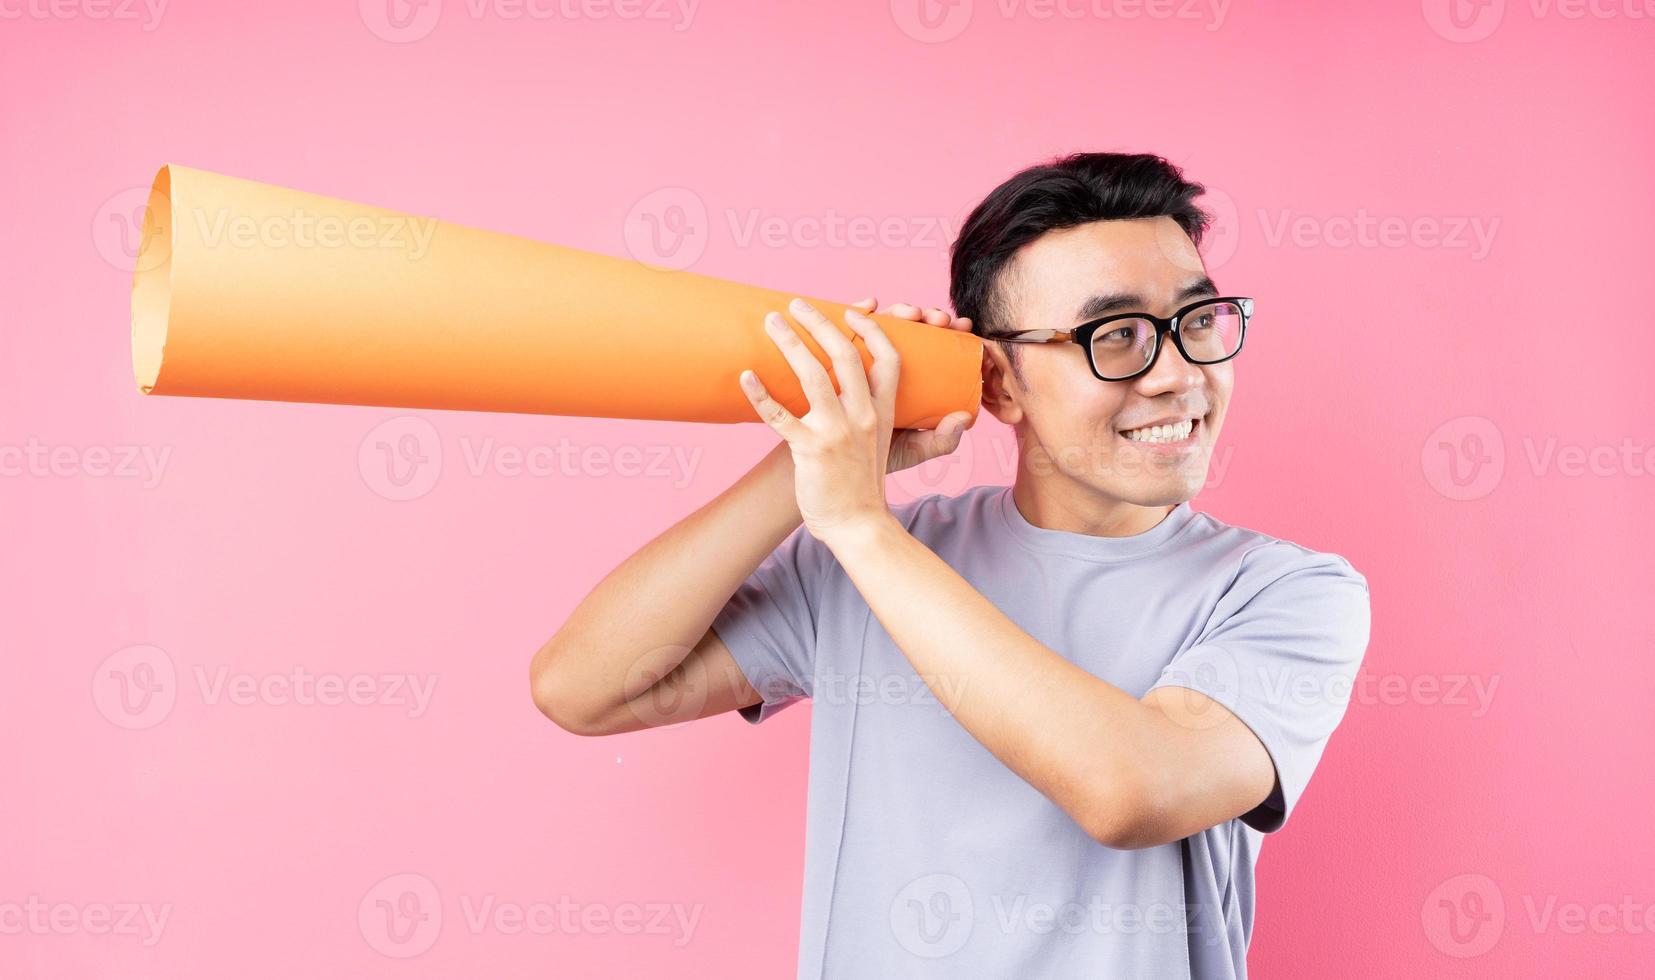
1059, 503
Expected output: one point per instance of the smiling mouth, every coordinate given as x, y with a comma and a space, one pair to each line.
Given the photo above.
1173, 434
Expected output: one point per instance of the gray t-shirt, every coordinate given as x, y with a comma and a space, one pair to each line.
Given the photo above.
925, 856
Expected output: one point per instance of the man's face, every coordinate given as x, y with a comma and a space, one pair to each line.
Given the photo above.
1071, 423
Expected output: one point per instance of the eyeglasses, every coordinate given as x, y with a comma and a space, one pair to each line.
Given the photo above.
1121, 346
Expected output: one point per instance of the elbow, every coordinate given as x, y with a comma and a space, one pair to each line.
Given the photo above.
1130, 814
1127, 834
554, 698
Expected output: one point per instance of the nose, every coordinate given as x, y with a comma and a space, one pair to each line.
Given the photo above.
1170, 373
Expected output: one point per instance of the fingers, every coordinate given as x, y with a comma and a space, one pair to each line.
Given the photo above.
812, 376
911, 447
847, 361
773, 413
935, 316
887, 363
866, 305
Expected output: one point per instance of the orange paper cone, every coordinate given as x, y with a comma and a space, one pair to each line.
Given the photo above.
246, 290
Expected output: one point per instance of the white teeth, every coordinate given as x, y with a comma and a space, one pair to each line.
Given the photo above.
1176, 432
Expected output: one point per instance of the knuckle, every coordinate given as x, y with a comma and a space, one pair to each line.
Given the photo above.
847, 357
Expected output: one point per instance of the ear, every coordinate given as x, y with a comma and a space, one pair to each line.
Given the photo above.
1000, 390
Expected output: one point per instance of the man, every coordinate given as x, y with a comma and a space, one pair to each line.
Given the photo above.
1054, 720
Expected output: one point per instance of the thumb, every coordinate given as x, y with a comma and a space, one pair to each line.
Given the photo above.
948, 433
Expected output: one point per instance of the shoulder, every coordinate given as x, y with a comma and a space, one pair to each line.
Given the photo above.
935, 513
1258, 559
1287, 603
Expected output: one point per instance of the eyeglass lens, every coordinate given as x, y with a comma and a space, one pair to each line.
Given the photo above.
1210, 332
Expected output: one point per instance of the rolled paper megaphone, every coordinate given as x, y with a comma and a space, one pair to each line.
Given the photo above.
247, 290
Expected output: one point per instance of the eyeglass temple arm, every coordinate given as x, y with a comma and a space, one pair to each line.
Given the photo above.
1041, 336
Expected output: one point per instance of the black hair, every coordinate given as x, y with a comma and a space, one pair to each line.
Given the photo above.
1061, 193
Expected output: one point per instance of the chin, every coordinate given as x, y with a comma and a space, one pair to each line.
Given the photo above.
1167, 497
1166, 492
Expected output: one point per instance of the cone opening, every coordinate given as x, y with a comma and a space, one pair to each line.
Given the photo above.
152, 284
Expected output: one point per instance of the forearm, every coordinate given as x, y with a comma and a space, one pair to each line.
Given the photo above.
1089, 746
643, 618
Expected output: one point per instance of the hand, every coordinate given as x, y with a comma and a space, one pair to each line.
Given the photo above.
842, 446
911, 447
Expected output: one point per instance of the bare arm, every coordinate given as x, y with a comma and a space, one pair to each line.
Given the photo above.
638, 651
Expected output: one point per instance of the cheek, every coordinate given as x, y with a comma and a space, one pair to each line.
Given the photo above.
1075, 403
1220, 385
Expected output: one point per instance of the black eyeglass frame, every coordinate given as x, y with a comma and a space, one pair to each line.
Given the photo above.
1082, 334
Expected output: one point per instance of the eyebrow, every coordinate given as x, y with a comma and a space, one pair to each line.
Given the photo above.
1104, 304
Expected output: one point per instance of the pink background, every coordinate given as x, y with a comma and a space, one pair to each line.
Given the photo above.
1462, 419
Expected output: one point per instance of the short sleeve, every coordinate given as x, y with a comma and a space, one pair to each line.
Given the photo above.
769, 624
1281, 652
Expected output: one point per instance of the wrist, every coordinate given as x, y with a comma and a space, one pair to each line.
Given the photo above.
859, 534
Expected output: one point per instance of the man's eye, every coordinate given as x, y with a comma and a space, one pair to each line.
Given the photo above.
1202, 322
